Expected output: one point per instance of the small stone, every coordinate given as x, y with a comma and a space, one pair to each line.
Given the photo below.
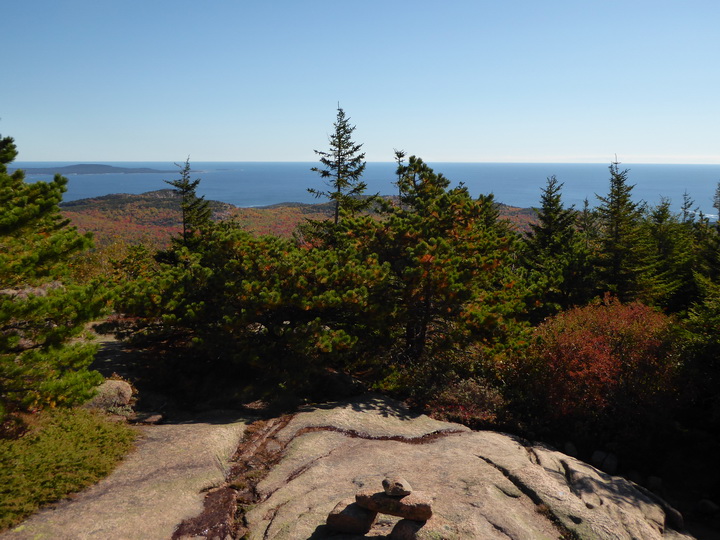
396, 486
673, 518
610, 464
707, 507
570, 449
417, 506
351, 518
406, 529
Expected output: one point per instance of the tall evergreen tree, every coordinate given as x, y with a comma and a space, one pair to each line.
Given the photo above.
40, 311
195, 210
343, 165
622, 263
707, 238
400, 160
687, 212
672, 258
555, 256
556, 225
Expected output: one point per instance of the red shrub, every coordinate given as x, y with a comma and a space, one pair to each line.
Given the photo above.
602, 359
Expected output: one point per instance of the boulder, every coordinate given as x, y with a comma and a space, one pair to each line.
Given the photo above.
113, 396
610, 464
484, 484
417, 506
349, 517
406, 529
570, 449
597, 458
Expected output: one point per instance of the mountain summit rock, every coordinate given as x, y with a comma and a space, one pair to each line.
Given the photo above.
481, 484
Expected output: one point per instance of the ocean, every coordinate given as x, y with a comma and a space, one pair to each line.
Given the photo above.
249, 184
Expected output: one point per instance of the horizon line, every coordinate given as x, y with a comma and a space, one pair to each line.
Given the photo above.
9, 165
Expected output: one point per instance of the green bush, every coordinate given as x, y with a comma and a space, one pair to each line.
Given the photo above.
65, 451
701, 370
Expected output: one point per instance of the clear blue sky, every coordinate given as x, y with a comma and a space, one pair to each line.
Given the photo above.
482, 80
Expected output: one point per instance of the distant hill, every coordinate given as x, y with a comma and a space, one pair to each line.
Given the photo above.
90, 168
155, 216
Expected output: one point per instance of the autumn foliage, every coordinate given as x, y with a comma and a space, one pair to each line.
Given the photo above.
605, 362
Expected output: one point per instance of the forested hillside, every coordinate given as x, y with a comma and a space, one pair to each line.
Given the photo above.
155, 216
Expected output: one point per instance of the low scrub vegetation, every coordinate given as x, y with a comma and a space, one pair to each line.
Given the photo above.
603, 369
63, 451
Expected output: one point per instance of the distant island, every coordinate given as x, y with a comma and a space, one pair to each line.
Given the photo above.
90, 168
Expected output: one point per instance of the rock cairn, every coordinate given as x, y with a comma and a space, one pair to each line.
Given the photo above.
358, 515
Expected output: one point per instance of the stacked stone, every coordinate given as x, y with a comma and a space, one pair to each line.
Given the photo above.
357, 516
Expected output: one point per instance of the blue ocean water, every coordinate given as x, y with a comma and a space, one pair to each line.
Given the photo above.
516, 184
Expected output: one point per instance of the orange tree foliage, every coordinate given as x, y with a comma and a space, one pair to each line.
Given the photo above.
604, 365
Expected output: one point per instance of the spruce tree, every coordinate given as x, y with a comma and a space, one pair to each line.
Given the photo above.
622, 263
556, 223
195, 210
707, 239
40, 310
672, 258
343, 165
549, 251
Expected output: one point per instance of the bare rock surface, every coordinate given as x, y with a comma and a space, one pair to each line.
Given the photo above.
481, 484
156, 487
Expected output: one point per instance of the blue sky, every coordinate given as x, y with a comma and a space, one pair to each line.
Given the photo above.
483, 80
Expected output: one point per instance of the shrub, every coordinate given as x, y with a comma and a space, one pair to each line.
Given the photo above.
472, 402
603, 366
64, 452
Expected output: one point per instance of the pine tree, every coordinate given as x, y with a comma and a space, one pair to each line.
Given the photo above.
40, 311
687, 212
241, 306
400, 160
343, 165
195, 210
622, 263
450, 283
672, 257
555, 256
707, 239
